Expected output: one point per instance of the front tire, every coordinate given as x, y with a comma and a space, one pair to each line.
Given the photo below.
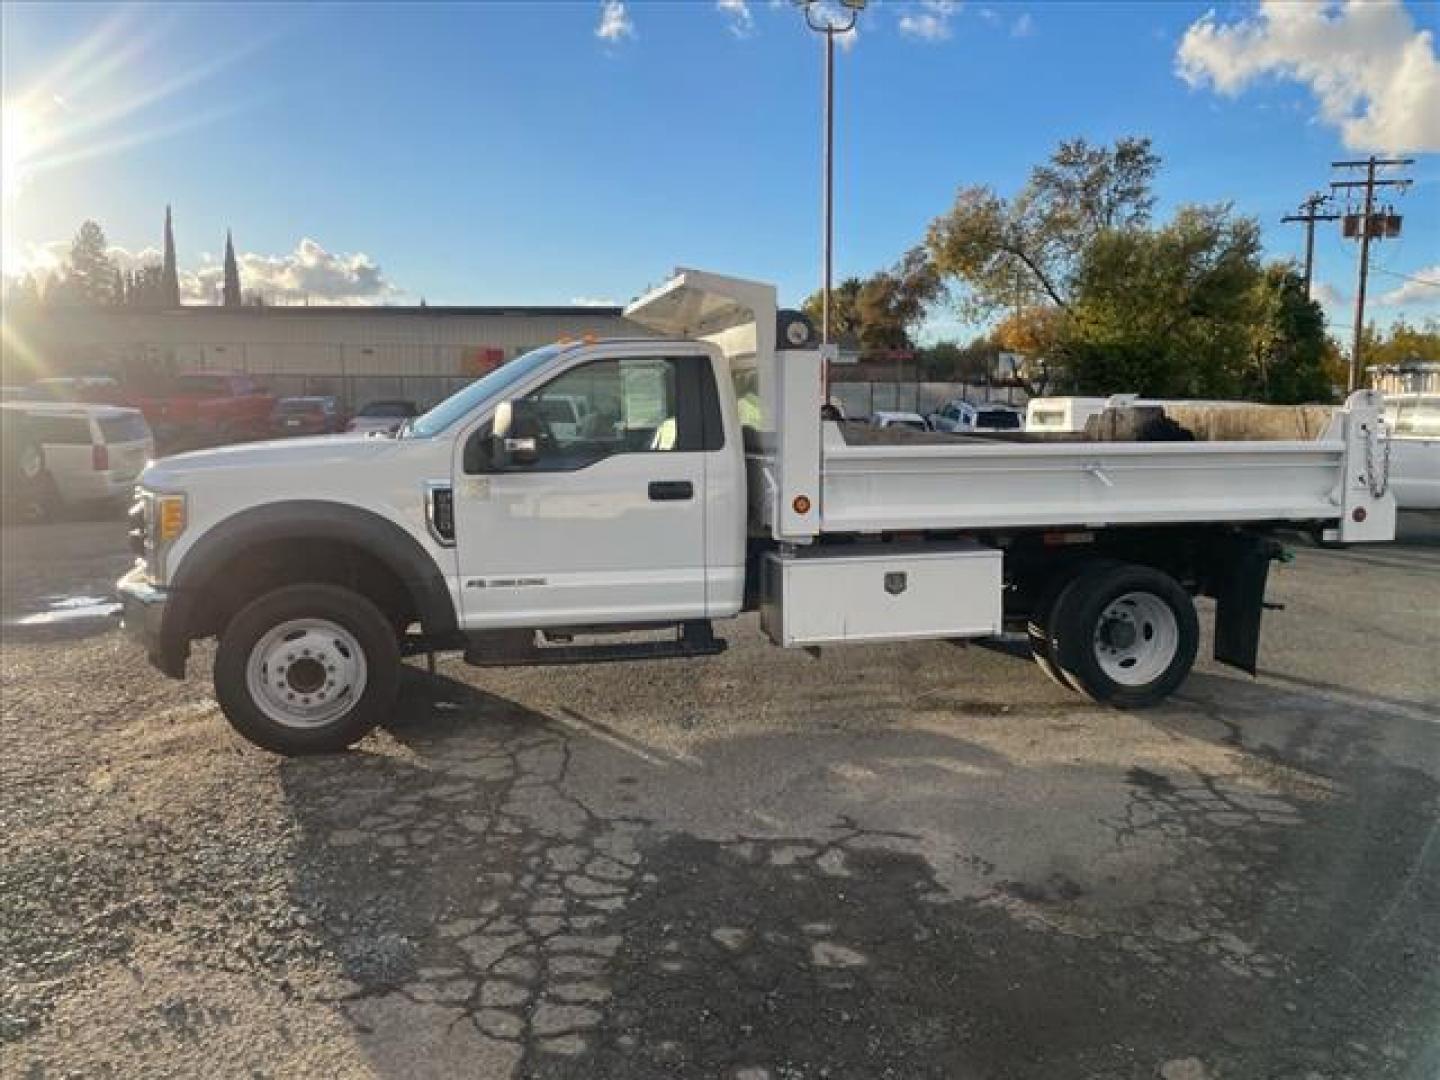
307, 669
1124, 635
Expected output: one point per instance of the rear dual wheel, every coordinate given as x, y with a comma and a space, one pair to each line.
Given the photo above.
1121, 634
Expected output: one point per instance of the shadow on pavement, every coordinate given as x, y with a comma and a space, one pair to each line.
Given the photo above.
481, 910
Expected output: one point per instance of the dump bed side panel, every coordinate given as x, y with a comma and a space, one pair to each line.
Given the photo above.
973, 486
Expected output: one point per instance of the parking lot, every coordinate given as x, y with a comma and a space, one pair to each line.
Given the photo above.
902, 861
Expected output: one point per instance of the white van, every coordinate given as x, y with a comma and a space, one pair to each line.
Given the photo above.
1071, 413
1414, 423
1062, 413
79, 453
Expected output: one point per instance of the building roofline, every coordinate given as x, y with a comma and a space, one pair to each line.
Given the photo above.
304, 311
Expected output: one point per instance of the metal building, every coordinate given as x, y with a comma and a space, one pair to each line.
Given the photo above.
356, 353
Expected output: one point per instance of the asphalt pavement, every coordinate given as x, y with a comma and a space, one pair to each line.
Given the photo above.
891, 861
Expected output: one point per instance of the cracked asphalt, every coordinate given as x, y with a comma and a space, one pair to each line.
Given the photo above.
899, 861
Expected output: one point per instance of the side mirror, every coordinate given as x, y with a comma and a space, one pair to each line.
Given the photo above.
521, 451
504, 415
492, 447
507, 449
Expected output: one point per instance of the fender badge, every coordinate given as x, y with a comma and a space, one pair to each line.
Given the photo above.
895, 582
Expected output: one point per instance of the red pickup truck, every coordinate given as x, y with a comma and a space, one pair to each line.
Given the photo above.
199, 409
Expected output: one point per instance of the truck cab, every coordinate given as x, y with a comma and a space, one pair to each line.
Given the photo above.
633, 513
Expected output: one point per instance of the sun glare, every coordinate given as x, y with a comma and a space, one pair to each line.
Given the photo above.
17, 143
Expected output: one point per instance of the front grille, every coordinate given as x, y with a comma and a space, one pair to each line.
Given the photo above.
140, 526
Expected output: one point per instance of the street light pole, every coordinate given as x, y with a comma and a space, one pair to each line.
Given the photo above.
829, 199
829, 26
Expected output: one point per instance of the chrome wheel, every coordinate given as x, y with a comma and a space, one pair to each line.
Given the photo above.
1136, 638
306, 673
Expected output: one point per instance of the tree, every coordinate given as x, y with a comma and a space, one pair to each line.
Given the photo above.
90, 274
891, 302
880, 311
1402, 342
1288, 344
146, 288
1028, 250
972, 362
230, 294
169, 271
23, 294
844, 321
1174, 306
1034, 331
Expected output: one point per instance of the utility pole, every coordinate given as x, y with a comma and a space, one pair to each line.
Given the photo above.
1309, 214
1389, 225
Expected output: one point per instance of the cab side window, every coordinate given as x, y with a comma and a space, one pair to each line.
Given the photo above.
607, 407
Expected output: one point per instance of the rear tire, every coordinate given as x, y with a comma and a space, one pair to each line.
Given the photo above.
1037, 628
1124, 635
307, 669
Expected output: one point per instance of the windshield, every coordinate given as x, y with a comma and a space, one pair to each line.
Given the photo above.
998, 418
492, 386
389, 409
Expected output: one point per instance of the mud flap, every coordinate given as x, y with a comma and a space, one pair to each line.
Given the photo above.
1242, 568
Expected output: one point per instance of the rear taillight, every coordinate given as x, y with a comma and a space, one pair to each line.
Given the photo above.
99, 457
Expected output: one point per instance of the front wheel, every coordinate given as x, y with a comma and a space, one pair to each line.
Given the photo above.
1125, 635
307, 669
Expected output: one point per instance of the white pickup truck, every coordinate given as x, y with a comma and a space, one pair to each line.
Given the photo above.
702, 481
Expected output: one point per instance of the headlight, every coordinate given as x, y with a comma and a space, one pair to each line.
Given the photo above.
163, 520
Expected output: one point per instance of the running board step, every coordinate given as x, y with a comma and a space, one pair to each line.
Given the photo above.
508, 648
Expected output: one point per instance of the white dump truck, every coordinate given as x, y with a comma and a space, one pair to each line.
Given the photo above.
700, 481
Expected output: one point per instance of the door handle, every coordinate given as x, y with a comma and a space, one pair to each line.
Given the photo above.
671, 490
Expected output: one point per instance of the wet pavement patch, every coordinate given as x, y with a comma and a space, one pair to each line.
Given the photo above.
63, 616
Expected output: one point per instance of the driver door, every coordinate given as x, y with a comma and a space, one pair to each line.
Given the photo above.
590, 508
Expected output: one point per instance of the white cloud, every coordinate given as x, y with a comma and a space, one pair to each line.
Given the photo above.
615, 25
930, 21
1421, 287
1024, 26
1375, 76
737, 13
309, 273
593, 301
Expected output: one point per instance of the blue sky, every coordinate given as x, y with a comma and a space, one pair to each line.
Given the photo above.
505, 152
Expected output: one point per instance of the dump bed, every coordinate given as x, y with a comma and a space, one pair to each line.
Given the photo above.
967, 483
809, 477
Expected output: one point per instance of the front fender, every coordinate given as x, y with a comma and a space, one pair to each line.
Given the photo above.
314, 519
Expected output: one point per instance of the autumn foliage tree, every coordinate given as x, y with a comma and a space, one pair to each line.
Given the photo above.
880, 313
1081, 276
